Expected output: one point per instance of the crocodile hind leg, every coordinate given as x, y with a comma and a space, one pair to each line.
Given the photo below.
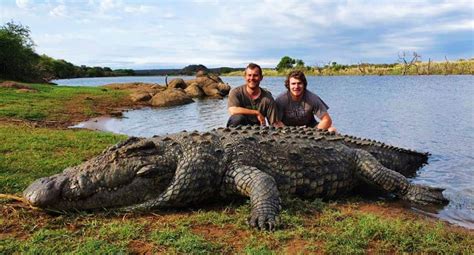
263, 192
371, 171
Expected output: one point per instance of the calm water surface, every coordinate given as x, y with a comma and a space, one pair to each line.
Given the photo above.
426, 113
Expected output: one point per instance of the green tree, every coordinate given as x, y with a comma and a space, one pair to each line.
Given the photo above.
288, 63
299, 63
18, 60
285, 63
17, 56
46, 67
51, 68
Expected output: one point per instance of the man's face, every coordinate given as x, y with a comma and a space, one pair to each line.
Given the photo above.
296, 87
253, 77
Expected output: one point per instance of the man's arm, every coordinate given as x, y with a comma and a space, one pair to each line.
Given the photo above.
244, 111
326, 122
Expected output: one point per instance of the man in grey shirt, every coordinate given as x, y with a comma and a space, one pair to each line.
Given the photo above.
298, 106
249, 104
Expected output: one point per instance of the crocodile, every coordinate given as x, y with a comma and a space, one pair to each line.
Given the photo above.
262, 163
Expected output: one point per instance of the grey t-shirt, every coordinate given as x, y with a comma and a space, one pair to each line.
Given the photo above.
265, 104
300, 113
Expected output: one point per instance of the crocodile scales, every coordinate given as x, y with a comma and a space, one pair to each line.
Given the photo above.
188, 168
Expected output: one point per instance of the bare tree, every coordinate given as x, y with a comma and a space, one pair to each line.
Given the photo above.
362, 67
318, 69
429, 66
402, 58
447, 66
415, 61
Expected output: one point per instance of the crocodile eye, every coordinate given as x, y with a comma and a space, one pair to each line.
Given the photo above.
143, 145
146, 170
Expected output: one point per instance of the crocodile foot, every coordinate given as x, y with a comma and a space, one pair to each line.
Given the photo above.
424, 195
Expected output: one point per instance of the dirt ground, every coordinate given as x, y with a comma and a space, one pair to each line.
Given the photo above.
19, 216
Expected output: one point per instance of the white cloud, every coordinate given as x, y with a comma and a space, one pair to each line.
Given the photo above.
58, 11
142, 9
106, 5
458, 25
235, 32
23, 4
206, 1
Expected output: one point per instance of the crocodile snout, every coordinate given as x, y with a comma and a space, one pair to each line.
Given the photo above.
44, 191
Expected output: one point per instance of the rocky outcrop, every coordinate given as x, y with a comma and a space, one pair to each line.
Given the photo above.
176, 92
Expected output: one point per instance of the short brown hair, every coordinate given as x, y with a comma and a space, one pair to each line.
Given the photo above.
253, 66
297, 74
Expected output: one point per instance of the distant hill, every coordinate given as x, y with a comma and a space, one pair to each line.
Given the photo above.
188, 70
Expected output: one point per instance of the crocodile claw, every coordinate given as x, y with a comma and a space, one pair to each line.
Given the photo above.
263, 221
424, 195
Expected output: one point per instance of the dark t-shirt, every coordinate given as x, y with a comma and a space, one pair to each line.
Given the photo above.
300, 113
265, 104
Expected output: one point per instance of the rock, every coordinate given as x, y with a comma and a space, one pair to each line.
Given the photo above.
211, 85
140, 96
201, 73
171, 97
177, 83
116, 114
224, 88
193, 90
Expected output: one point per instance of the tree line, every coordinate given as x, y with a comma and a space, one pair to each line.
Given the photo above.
407, 64
19, 61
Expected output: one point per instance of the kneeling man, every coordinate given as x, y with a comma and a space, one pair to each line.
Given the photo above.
251, 105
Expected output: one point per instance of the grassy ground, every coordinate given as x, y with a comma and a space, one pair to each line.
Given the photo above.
60, 105
29, 151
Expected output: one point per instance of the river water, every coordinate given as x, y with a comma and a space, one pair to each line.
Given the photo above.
427, 113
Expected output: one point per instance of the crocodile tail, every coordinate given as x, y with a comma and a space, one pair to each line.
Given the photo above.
401, 160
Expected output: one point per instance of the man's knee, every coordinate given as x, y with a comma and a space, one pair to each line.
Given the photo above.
238, 119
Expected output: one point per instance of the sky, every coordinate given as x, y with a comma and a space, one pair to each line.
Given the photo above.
173, 34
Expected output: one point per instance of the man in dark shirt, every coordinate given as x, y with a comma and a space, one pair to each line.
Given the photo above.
249, 104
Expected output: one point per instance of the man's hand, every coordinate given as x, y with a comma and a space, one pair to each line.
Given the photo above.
278, 124
260, 118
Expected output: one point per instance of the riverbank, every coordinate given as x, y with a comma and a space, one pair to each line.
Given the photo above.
29, 151
458, 67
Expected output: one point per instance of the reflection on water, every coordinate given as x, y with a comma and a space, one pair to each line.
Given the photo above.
426, 113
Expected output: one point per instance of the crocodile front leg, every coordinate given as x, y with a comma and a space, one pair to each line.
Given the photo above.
371, 171
194, 181
263, 192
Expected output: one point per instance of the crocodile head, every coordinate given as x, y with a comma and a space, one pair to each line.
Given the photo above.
125, 174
